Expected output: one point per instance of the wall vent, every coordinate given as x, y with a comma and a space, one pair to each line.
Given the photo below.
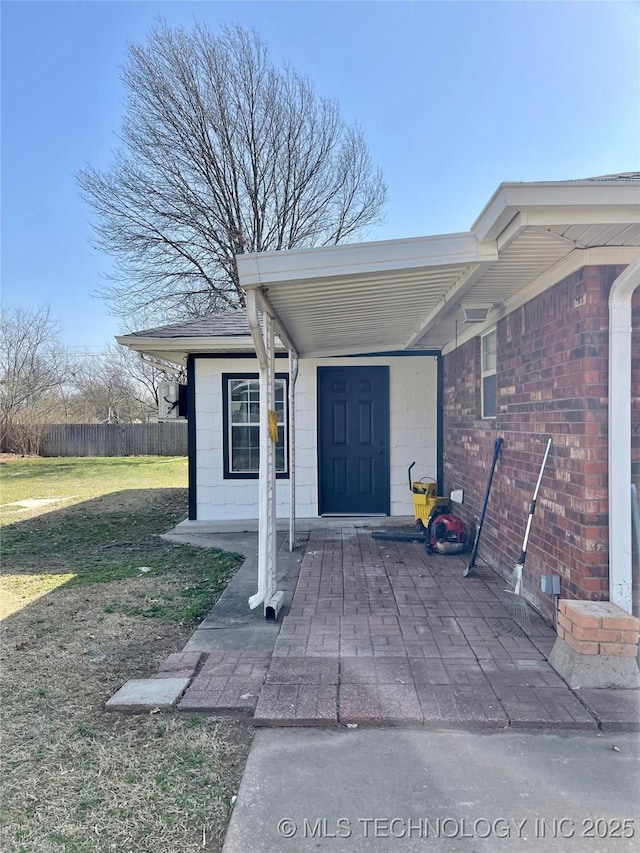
475, 313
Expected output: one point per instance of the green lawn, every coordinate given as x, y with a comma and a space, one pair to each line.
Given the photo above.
89, 477
107, 530
91, 596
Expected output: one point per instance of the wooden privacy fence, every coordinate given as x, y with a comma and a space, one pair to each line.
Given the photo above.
155, 439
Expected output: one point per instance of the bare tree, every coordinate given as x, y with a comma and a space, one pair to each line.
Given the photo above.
104, 395
34, 374
145, 376
223, 153
118, 387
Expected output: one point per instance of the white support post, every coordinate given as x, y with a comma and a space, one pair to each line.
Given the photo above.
264, 342
261, 355
268, 457
293, 375
620, 538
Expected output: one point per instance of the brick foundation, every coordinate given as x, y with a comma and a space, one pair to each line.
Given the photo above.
597, 645
598, 628
552, 381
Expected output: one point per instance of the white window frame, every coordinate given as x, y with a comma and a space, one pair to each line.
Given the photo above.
229, 426
486, 372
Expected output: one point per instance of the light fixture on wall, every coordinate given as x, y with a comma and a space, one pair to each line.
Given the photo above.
475, 312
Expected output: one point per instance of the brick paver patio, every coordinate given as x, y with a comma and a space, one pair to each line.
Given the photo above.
380, 633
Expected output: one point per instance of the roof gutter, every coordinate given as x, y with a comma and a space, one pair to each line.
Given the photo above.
145, 358
620, 536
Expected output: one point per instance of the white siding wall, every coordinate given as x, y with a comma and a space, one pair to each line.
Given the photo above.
412, 397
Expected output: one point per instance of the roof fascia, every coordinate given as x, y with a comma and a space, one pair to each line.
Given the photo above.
566, 201
594, 215
193, 344
269, 268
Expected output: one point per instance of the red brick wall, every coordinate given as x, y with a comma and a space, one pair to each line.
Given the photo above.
552, 374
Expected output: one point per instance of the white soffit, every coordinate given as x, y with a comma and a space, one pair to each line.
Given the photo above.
526, 257
375, 297
372, 313
584, 236
366, 297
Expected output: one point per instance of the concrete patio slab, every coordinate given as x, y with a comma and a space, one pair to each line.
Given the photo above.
375, 670
308, 670
523, 673
297, 705
480, 791
450, 706
256, 638
227, 682
180, 665
379, 705
236, 663
615, 710
540, 707
449, 671
144, 694
222, 694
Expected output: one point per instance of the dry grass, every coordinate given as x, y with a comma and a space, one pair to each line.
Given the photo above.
74, 777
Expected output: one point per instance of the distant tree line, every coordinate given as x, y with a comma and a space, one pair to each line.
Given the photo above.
42, 382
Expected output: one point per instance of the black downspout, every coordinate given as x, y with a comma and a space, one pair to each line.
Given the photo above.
191, 435
440, 423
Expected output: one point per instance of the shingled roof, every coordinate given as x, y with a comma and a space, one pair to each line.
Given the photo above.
616, 178
229, 324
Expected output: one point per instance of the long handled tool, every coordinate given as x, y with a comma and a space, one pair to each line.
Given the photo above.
474, 554
513, 599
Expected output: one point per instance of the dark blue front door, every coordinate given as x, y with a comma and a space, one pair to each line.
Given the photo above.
353, 440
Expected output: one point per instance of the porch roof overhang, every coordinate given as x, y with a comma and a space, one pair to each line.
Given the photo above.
410, 294
176, 350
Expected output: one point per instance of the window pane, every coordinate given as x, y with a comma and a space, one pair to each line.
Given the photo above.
245, 460
239, 413
489, 407
244, 431
239, 389
245, 450
489, 352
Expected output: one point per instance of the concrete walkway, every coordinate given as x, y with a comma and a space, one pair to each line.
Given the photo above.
378, 633
415, 790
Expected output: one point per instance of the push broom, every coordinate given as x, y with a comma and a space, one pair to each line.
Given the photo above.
514, 601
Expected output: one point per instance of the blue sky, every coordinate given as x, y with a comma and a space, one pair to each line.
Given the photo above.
453, 98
